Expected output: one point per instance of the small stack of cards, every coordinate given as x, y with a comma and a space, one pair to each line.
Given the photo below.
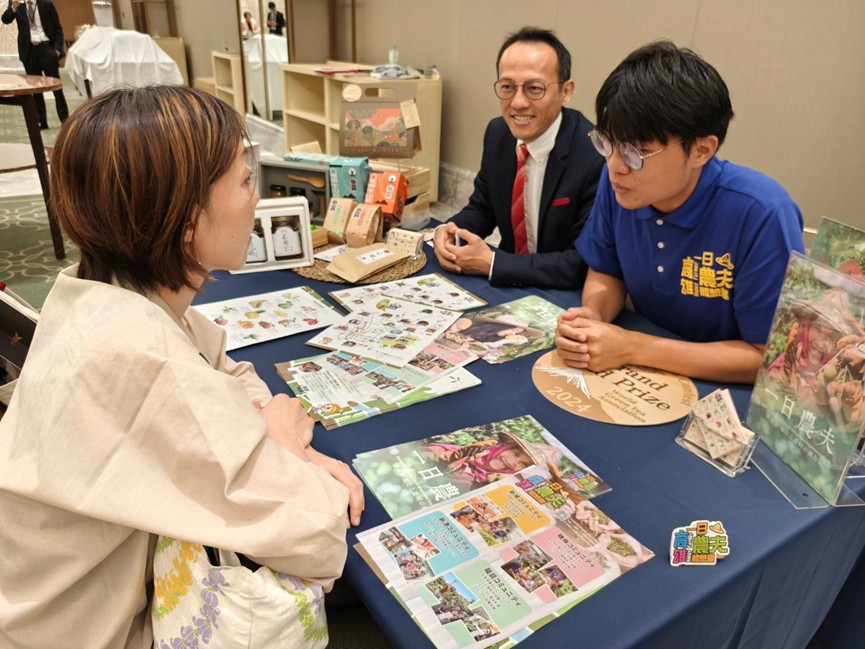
713, 432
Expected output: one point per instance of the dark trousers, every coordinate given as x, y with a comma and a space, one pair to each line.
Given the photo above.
41, 59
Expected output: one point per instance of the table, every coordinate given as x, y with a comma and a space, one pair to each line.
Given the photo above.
18, 90
786, 566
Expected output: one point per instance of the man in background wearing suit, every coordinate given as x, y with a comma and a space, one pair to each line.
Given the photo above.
538, 176
40, 47
275, 19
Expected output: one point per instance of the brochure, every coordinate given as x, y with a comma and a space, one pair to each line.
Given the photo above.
500, 561
807, 403
432, 289
416, 474
338, 376
254, 319
334, 396
507, 331
388, 329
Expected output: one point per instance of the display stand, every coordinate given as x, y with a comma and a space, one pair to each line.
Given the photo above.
797, 492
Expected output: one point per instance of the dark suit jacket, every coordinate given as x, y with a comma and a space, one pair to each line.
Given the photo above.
280, 23
568, 193
50, 24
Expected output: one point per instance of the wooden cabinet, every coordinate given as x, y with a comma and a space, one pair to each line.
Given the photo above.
228, 77
311, 110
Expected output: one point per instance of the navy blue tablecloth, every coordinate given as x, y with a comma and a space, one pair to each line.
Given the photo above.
785, 568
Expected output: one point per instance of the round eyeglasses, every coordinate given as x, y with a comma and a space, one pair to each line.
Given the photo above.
631, 155
534, 89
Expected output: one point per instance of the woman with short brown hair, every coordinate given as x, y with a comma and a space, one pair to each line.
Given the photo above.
129, 422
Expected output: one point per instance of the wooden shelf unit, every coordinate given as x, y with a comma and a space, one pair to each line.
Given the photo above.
228, 79
311, 109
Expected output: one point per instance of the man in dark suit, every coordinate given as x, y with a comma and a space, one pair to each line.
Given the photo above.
40, 47
540, 195
275, 19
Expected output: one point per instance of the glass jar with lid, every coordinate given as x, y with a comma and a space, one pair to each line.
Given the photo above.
286, 238
256, 253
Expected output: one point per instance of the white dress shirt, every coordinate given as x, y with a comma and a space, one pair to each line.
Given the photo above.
536, 169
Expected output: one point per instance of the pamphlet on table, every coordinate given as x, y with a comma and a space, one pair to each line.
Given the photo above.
499, 561
339, 389
408, 476
431, 289
506, 331
257, 318
388, 329
338, 376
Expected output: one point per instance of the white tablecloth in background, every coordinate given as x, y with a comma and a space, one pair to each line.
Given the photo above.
277, 55
110, 57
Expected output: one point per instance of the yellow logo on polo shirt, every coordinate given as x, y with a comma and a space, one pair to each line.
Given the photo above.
707, 275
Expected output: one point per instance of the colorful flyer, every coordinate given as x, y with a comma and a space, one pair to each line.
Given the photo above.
389, 330
255, 319
702, 543
340, 377
431, 289
507, 331
497, 562
335, 401
416, 474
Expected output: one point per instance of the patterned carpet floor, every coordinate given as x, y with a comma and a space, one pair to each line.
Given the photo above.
27, 263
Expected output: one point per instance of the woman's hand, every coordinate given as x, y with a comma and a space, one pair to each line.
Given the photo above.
288, 424
342, 473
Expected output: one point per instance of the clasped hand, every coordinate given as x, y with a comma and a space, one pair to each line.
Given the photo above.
289, 425
584, 341
473, 257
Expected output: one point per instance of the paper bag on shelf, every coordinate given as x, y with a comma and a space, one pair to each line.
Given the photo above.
364, 226
335, 221
390, 190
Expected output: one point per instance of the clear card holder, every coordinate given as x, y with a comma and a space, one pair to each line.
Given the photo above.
730, 464
798, 492
857, 466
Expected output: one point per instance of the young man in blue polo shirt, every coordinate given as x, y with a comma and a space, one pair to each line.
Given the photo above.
699, 245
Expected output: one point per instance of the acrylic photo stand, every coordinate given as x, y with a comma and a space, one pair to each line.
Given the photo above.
797, 492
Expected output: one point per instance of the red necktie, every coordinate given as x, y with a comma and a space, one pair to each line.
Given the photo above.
518, 204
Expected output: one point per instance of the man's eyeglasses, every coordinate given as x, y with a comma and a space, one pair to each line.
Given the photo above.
534, 89
631, 155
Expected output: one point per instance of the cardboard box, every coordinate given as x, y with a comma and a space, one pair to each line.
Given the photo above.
349, 178
336, 219
364, 226
375, 125
390, 190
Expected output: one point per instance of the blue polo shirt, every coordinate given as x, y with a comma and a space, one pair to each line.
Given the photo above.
710, 270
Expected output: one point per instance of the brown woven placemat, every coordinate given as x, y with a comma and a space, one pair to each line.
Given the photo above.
399, 270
